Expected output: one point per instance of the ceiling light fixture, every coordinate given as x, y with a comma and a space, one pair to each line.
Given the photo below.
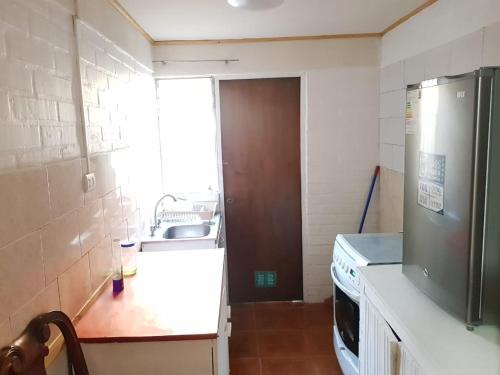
255, 4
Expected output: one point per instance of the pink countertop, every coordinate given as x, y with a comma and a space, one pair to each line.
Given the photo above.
175, 295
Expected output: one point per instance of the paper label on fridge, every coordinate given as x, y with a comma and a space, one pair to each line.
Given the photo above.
430, 196
411, 111
431, 179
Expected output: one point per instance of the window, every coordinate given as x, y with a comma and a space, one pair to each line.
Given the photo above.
188, 135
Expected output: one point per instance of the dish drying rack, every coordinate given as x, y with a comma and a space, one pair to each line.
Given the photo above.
200, 211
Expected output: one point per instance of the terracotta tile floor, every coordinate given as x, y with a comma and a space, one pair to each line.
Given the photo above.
282, 338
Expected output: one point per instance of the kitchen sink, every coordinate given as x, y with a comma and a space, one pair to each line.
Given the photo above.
186, 231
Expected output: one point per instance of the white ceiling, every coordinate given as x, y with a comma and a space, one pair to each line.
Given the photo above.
215, 19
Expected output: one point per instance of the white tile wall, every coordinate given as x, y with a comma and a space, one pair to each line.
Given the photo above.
386, 156
100, 258
398, 155
392, 77
47, 300
438, 61
73, 298
392, 103
65, 181
26, 255
61, 245
466, 53
491, 52
391, 115
414, 70
392, 131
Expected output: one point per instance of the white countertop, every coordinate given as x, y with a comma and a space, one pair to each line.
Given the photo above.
440, 342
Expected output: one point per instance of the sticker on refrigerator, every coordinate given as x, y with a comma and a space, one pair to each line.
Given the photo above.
431, 179
411, 111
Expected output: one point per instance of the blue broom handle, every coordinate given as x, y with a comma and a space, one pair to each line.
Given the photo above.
367, 204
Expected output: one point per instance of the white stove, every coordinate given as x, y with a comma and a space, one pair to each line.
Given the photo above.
350, 252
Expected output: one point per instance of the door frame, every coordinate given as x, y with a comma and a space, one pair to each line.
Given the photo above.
303, 149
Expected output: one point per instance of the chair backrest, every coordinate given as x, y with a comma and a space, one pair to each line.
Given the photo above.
27, 353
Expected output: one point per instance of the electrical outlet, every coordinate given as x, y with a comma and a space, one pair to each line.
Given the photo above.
90, 182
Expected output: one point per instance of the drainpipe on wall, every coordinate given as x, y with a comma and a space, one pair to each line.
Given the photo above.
79, 98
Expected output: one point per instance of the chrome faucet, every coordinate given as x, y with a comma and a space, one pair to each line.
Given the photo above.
157, 221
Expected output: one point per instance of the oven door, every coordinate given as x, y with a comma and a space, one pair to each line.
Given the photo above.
346, 329
347, 320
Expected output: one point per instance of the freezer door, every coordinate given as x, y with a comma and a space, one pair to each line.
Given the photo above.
439, 185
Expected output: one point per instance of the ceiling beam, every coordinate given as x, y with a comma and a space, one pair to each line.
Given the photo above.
405, 18
121, 9
264, 40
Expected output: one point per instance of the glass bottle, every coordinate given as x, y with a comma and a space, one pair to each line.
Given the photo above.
117, 271
129, 257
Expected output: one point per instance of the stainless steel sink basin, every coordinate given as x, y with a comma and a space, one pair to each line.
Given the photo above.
187, 231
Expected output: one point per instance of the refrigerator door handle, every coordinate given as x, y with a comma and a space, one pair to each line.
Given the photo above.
474, 313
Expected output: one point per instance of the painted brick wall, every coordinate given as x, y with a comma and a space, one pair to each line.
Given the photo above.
55, 239
341, 155
120, 114
469, 52
38, 117
109, 79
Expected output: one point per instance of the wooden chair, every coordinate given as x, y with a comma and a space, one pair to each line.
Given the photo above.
27, 353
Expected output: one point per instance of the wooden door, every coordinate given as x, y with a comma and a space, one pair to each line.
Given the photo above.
260, 123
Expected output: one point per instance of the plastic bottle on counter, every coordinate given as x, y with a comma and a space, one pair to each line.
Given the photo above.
129, 257
117, 265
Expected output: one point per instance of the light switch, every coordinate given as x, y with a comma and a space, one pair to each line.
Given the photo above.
90, 182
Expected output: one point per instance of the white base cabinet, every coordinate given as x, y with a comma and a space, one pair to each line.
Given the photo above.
161, 358
221, 347
408, 365
184, 357
378, 345
380, 350
403, 332
196, 357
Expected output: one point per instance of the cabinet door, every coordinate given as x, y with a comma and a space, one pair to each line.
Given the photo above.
408, 364
378, 345
221, 350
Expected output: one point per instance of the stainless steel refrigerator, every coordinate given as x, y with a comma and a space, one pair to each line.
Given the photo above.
451, 240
